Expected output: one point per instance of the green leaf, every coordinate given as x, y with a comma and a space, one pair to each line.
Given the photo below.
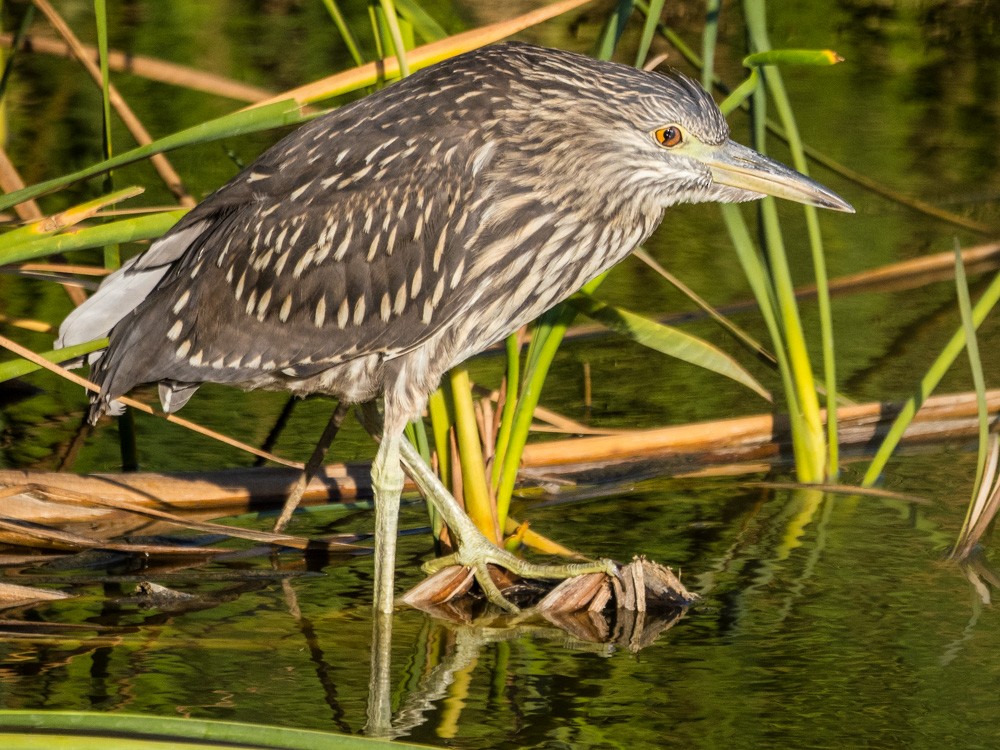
426, 27
19, 367
741, 93
793, 57
989, 299
126, 230
667, 340
105, 731
978, 380
653, 14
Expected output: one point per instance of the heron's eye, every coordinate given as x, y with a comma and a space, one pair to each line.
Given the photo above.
669, 136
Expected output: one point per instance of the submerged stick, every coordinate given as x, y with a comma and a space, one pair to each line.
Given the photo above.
681, 450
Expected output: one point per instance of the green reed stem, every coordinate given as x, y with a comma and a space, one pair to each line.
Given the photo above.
546, 338
345, 32
709, 37
513, 348
392, 21
929, 382
470, 449
653, 14
757, 26
811, 464
978, 379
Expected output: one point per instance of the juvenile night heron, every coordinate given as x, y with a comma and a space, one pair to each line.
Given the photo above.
380, 245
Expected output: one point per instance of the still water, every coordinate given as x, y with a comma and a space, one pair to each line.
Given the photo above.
825, 620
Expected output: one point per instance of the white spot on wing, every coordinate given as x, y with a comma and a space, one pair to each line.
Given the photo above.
483, 155
265, 300
391, 241
418, 278
320, 315
345, 243
175, 331
457, 276
181, 301
297, 193
439, 249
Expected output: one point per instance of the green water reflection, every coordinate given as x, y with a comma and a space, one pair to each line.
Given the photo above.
826, 620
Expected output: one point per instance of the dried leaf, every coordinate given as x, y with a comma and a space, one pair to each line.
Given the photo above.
574, 594
441, 587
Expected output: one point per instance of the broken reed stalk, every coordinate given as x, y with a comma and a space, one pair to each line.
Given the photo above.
150, 68
682, 448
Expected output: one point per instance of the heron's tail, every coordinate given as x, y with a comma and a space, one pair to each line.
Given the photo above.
118, 296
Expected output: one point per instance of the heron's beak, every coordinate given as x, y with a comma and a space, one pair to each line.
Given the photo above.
740, 167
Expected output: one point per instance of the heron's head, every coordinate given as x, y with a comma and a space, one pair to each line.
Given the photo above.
678, 129
662, 135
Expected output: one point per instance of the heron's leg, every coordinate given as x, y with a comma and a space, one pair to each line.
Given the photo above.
387, 486
315, 461
474, 549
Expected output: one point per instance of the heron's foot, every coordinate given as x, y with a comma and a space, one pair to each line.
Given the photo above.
478, 553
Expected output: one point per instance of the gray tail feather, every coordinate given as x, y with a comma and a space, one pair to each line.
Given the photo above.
128, 362
118, 296
125, 289
102, 402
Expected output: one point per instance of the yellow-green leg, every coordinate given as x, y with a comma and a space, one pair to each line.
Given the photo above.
387, 486
474, 550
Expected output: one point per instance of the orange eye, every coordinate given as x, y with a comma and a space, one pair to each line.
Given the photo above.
670, 136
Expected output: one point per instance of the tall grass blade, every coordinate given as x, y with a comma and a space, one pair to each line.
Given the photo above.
979, 381
422, 22
760, 285
709, 37
741, 94
477, 494
929, 382
741, 336
117, 731
399, 48
513, 383
345, 31
816, 467
653, 14
614, 27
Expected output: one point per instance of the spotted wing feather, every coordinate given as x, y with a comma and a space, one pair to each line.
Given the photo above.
317, 254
